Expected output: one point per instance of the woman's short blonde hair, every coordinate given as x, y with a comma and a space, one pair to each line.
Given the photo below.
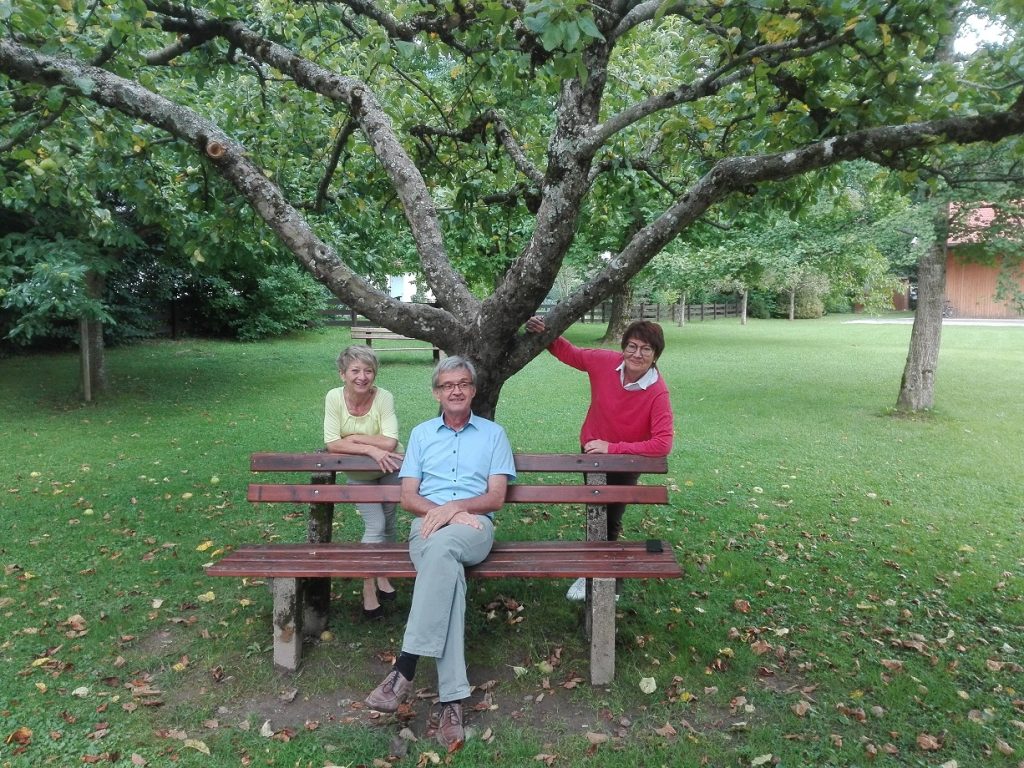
358, 353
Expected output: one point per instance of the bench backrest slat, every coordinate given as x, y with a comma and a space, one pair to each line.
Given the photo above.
517, 494
525, 462
553, 559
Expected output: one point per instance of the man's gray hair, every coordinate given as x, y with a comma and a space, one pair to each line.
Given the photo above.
454, 363
363, 354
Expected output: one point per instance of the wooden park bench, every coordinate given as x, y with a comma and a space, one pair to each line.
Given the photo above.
301, 573
369, 334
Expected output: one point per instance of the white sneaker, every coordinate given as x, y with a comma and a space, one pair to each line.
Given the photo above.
578, 591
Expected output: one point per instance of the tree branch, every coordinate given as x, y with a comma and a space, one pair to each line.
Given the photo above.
637, 15
105, 53
732, 71
440, 24
183, 44
514, 150
332, 164
231, 160
478, 127
449, 286
738, 173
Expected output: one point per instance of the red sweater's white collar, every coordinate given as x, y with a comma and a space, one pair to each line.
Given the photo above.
643, 382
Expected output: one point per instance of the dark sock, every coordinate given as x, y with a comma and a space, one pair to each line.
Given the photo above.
406, 665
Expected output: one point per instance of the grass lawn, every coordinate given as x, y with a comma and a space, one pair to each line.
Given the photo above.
854, 589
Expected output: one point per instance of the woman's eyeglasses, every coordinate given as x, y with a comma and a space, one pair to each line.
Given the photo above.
635, 349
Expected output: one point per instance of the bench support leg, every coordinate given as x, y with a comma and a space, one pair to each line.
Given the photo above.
287, 622
602, 631
600, 611
319, 527
597, 530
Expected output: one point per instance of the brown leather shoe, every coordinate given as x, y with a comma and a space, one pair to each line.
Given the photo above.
450, 731
392, 691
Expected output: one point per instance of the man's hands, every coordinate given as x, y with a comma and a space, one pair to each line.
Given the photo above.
456, 511
446, 514
596, 446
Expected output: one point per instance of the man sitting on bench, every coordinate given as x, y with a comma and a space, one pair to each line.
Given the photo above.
454, 476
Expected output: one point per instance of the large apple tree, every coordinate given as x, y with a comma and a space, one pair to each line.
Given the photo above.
482, 140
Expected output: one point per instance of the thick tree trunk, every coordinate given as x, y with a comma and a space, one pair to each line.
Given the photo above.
917, 389
792, 303
743, 307
96, 369
622, 301
485, 401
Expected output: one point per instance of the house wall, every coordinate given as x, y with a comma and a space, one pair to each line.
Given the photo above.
971, 289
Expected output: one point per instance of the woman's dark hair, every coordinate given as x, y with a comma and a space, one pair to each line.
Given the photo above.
647, 332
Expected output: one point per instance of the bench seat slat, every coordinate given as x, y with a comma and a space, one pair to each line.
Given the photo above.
507, 560
525, 462
517, 494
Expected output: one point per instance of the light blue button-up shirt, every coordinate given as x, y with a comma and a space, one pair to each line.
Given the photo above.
455, 465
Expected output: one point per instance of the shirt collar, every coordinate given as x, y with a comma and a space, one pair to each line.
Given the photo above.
643, 382
471, 423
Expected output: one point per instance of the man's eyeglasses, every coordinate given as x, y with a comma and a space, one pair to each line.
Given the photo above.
634, 349
451, 386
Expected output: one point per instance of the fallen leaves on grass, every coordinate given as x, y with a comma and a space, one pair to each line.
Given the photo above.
74, 626
928, 743
760, 647
513, 609
284, 734
198, 746
1004, 747
801, 708
854, 713
667, 731
21, 737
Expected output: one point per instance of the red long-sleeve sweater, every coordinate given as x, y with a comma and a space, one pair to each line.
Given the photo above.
632, 421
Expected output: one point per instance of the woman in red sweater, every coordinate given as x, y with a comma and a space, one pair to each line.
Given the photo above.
629, 412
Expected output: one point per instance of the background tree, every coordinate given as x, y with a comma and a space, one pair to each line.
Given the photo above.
978, 173
366, 137
833, 237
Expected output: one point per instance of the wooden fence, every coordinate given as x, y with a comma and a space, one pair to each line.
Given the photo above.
339, 314
662, 313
